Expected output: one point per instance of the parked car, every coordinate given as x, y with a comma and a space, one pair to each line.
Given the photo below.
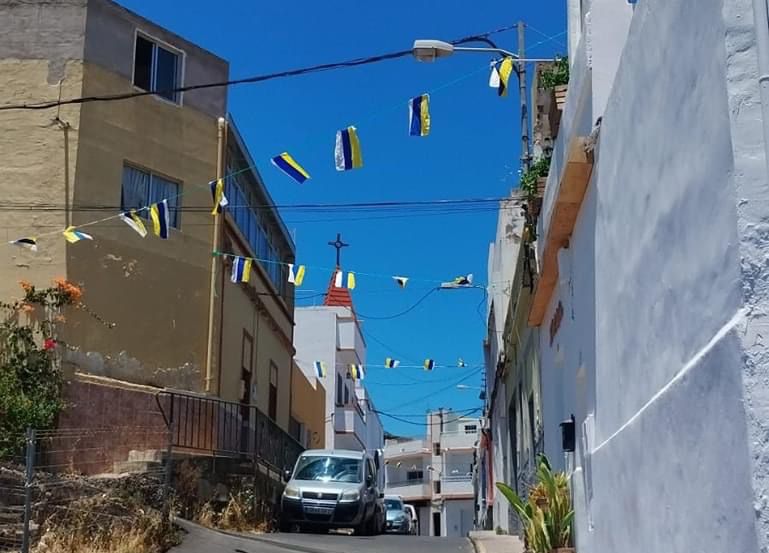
333, 489
398, 519
414, 520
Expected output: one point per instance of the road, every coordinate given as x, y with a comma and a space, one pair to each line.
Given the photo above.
202, 540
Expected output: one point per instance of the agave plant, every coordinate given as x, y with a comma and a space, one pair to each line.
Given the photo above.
546, 515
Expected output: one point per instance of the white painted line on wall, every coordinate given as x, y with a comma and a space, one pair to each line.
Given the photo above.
738, 317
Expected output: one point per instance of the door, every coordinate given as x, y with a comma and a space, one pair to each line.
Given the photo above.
436, 523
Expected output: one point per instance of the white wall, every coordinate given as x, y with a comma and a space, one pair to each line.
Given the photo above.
665, 296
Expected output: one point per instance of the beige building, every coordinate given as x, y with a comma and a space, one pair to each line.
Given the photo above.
87, 162
308, 405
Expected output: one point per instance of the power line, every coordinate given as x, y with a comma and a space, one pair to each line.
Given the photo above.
410, 309
232, 82
462, 415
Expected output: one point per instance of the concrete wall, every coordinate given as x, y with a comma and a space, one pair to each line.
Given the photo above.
663, 290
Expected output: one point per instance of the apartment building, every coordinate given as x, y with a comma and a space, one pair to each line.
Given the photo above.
435, 473
86, 162
331, 334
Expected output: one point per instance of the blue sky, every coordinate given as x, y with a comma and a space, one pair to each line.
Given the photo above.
472, 152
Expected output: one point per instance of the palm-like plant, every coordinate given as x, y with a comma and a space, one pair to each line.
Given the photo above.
547, 515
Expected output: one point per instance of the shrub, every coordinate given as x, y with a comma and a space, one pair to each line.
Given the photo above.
556, 75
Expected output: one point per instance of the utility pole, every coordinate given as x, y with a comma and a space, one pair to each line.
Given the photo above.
525, 154
221, 140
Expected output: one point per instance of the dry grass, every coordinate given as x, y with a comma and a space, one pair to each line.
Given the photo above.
237, 515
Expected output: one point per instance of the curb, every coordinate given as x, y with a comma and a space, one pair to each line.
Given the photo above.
477, 544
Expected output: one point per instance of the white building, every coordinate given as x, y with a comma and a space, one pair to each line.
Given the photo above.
331, 334
434, 473
653, 284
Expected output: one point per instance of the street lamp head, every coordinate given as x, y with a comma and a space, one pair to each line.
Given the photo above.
430, 50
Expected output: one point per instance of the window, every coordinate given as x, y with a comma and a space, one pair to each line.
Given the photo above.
247, 352
157, 68
143, 188
339, 391
346, 395
255, 230
415, 475
437, 486
273, 407
296, 429
471, 429
437, 450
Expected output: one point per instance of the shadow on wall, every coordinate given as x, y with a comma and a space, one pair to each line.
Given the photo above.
129, 369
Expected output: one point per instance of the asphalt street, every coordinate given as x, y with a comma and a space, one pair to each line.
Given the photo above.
202, 540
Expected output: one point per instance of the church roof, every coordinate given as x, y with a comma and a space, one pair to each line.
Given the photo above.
337, 296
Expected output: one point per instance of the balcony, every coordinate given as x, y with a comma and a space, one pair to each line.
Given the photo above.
411, 448
458, 440
410, 490
460, 485
348, 420
570, 170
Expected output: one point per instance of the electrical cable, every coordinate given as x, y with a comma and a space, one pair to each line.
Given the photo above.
232, 82
410, 309
434, 392
426, 424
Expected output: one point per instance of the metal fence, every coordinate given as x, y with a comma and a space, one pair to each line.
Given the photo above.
48, 477
47, 480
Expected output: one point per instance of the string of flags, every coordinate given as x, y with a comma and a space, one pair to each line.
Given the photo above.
357, 371
347, 156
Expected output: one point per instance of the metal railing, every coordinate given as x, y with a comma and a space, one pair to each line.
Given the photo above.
227, 429
404, 483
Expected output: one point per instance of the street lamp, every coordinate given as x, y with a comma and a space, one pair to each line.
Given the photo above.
429, 50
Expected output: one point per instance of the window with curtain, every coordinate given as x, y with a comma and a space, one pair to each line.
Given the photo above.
143, 188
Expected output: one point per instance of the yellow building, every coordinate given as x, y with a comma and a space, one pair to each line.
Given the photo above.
308, 405
87, 162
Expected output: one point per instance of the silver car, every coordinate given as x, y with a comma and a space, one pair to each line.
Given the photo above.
333, 489
398, 519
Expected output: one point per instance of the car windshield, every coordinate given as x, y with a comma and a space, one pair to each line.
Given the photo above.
328, 469
394, 504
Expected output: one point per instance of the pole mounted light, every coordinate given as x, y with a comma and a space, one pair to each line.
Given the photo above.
429, 50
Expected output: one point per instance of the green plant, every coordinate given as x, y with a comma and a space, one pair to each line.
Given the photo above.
546, 515
538, 170
30, 381
555, 75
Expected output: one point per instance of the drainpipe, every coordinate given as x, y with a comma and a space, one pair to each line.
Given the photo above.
220, 134
761, 16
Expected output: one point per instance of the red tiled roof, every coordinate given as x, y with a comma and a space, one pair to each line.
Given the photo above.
337, 297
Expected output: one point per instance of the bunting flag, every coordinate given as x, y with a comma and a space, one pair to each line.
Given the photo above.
419, 115
505, 69
391, 363
338, 279
299, 278
291, 275
72, 235
159, 216
461, 281
351, 280
347, 152
461, 363
494, 77
320, 369
429, 364
29, 243
241, 269
401, 281
356, 371
290, 167
132, 219
217, 192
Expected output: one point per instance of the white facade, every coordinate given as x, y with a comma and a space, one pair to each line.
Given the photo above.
660, 352
435, 473
332, 335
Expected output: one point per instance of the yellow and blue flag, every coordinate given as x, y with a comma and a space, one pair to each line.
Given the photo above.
356, 372
241, 269
401, 281
160, 220
29, 243
217, 192
289, 166
320, 369
391, 363
296, 278
429, 364
505, 70
419, 115
347, 153
72, 235
132, 219
351, 281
